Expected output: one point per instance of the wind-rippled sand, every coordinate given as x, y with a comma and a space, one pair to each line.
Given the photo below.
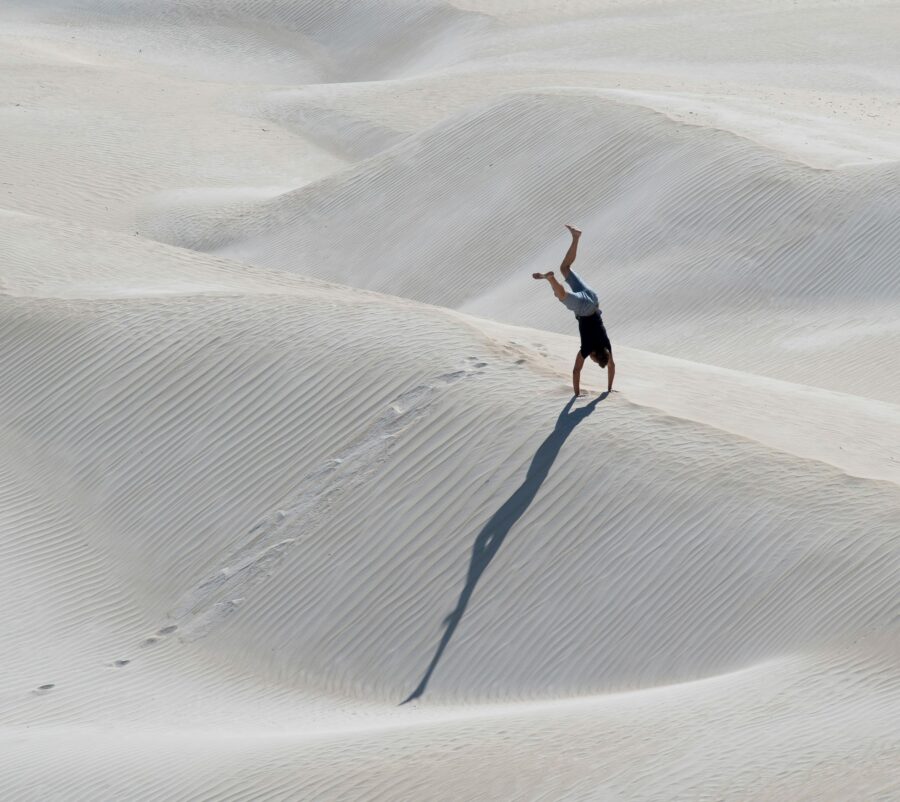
295, 502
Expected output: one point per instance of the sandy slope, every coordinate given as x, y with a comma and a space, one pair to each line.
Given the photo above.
210, 475
690, 232
728, 224
246, 512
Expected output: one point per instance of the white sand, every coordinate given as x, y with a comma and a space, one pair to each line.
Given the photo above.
284, 432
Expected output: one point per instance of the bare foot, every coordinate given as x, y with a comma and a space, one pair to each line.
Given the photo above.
542, 275
575, 232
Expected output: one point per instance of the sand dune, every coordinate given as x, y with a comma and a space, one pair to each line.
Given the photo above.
691, 232
295, 500
258, 406
203, 453
270, 41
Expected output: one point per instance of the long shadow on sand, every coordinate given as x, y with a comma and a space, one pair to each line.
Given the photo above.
489, 540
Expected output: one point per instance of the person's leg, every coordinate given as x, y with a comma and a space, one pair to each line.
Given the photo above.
558, 290
569, 258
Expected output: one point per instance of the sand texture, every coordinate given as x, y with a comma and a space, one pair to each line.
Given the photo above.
295, 498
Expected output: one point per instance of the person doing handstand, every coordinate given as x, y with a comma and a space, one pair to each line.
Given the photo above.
582, 300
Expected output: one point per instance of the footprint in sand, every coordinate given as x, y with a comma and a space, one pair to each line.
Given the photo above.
160, 634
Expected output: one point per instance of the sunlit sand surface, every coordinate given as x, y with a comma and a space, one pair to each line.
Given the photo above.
295, 500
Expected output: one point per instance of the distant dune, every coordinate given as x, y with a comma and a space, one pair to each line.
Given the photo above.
693, 232
295, 498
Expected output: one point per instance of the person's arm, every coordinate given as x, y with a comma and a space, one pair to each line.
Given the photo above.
610, 373
576, 373
558, 290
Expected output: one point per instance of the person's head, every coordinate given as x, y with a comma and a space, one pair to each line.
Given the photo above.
601, 357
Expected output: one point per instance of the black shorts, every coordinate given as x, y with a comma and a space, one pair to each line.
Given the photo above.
593, 335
